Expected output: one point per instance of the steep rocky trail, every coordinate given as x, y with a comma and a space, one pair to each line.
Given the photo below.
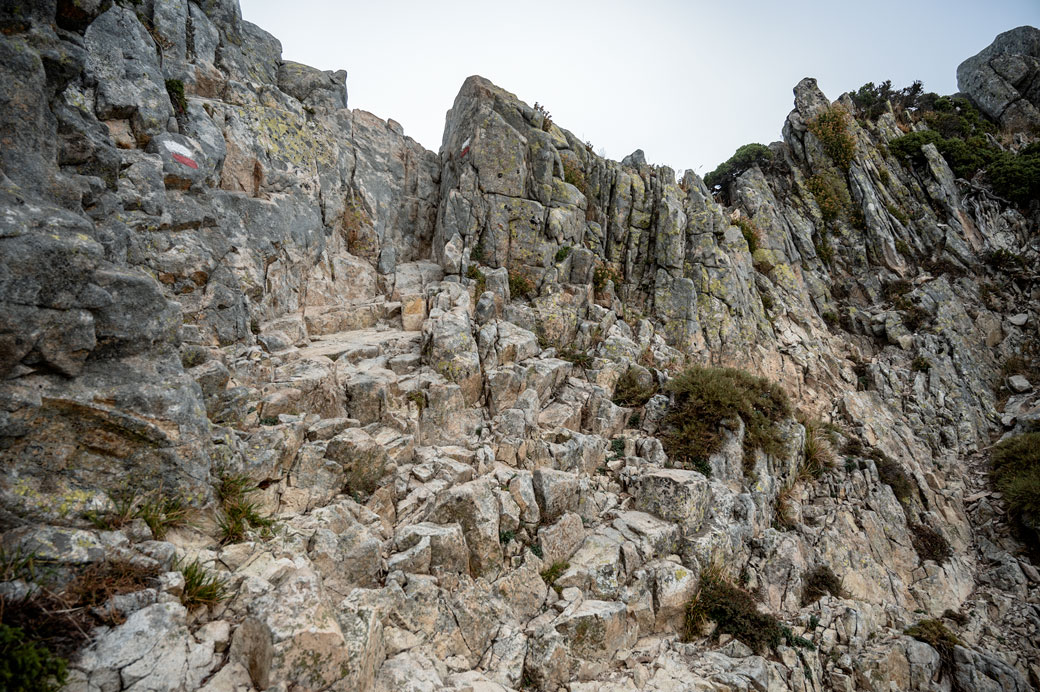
434, 388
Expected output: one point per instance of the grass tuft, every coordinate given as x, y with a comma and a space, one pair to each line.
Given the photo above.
237, 513
201, 588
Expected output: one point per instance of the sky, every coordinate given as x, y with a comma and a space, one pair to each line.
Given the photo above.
686, 81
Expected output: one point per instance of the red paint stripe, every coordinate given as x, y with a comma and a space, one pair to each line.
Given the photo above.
185, 160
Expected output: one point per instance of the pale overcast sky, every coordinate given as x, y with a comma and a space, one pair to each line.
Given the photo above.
687, 82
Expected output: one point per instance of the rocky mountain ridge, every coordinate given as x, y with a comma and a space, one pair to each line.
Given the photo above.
440, 375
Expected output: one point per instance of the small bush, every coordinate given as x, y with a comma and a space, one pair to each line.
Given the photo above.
553, 572
871, 100
929, 543
547, 122
520, 283
935, 634
1004, 260
631, 392
573, 174
921, 364
743, 158
831, 195
897, 289
505, 536
832, 129
1016, 470
892, 474
603, 273
914, 316
735, 612
26, 666
750, 231
175, 89
820, 582
200, 587
1016, 177
583, 359
563, 253
703, 398
479, 280
61, 620
417, 397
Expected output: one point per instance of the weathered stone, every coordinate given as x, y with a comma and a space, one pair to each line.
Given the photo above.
363, 459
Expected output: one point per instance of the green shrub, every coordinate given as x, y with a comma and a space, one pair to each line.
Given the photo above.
175, 89
820, 582
870, 100
929, 543
417, 397
935, 634
1016, 470
831, 195
1016, 178
896, 289
553, 572
914, 316
703, 398
479, 279
744, 158
921, 364
520, 283
603, 273
563, 253
573, 174
201, 587
832, 129
583, 359
1003, 260
750, 231
735, 612
892, 474
631, 392
26, 666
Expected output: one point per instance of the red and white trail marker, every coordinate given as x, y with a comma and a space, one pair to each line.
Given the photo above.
181, 154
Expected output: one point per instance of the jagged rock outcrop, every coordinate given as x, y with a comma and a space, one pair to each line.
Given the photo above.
1004, 79
220, 283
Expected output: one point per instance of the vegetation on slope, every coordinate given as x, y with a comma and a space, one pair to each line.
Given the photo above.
704, 399
962, 134
1016, 471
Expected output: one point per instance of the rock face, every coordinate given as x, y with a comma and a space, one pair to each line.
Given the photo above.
215, 275
1004, 79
